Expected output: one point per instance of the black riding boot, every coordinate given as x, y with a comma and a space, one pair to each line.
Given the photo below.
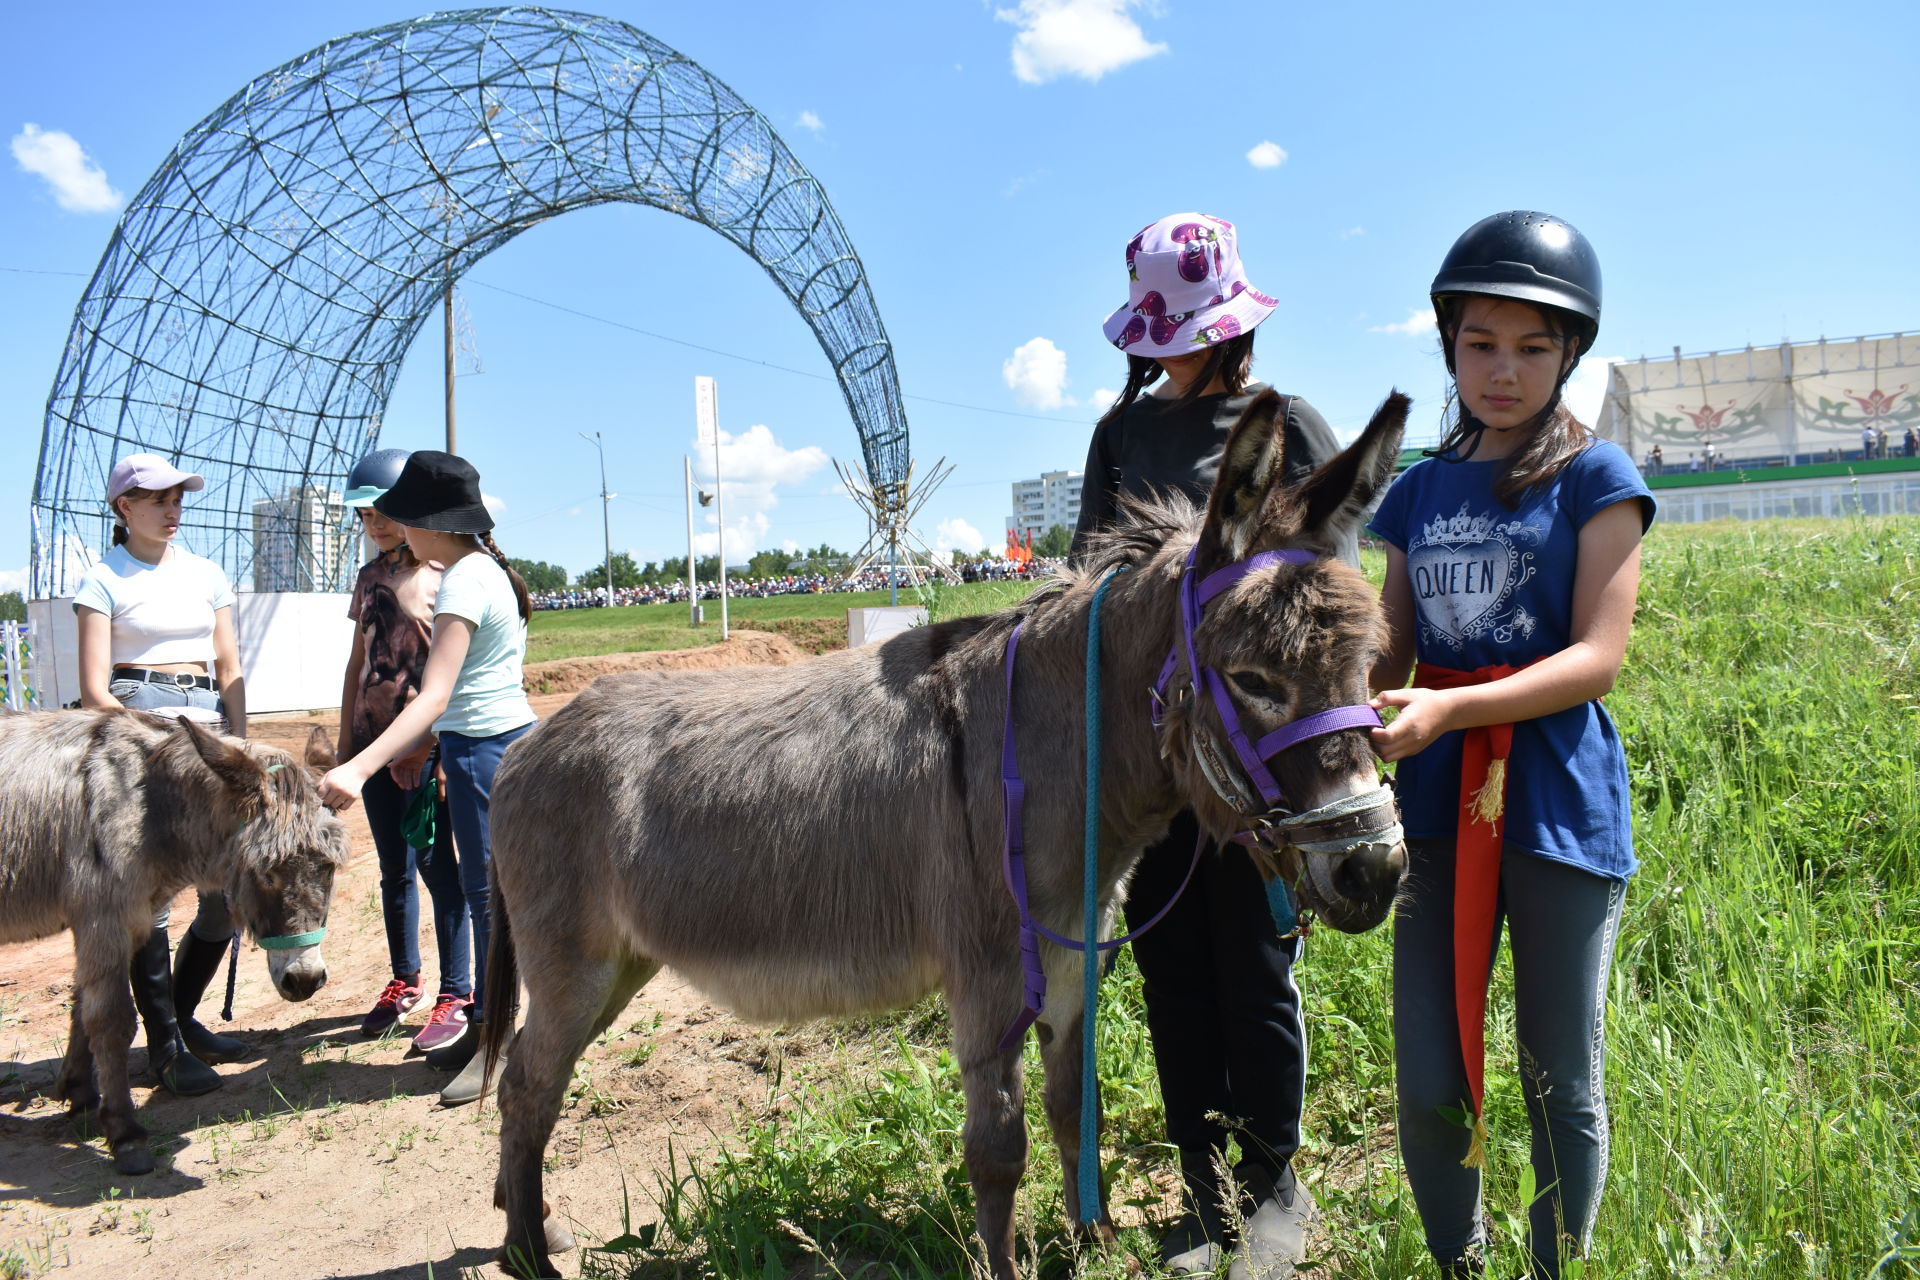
178, 1070
193, 968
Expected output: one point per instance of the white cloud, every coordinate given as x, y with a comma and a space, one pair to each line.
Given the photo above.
13, 580
494, 505
1102, 397
78, 184
1587, 388
957, 535
753, 464
1267, 155
1037, 374
810, 121
1418, 321
1085, 38
1351, 232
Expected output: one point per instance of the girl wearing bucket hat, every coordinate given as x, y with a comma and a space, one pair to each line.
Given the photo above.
1222, 1006
1513, 564
470, 695
392, 613
156, 634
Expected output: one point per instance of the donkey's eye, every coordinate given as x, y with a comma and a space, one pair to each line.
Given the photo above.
1256, 685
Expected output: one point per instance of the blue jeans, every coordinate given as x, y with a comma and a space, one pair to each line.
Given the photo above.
1561, 924
470, 764
212, 922
400, 899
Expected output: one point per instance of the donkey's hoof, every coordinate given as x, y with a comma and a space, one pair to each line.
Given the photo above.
133, 1158
559, 1239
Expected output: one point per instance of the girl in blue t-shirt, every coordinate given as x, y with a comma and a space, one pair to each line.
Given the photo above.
1513, 563
470, 695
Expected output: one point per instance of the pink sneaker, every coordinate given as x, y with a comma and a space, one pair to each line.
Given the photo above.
445, 1025
394, 1003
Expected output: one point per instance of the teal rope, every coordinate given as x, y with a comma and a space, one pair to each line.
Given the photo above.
1090, 909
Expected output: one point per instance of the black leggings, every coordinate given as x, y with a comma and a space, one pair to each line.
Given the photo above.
1222, 1006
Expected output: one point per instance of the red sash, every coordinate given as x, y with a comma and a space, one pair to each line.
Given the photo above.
1476, 880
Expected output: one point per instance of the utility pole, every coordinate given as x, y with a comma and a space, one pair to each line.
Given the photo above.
606, 526
449, 351
706, 399
693, 581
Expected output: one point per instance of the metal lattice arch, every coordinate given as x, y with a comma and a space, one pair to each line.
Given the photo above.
250, 315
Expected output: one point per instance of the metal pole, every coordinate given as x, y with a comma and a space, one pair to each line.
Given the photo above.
449, 363
693, 593
893, 567
720, 515
606, 527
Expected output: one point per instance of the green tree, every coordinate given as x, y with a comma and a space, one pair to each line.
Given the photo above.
625, 574
12, 607
770, 564
539, 575
1056, 541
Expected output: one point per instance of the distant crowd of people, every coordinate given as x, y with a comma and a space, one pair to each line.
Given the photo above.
1875, 443
986, 569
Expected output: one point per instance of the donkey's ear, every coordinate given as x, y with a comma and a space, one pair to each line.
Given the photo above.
1247, 469
318, 755
1335, 498
239, 772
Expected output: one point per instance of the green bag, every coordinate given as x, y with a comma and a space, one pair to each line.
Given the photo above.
419, 824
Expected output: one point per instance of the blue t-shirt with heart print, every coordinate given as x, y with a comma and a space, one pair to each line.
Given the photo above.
1493, 586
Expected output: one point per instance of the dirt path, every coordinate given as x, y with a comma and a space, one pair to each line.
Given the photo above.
327, 1155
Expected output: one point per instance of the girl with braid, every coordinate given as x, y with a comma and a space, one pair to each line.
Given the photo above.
470, 694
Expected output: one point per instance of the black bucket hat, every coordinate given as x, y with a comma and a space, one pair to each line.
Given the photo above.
437, 491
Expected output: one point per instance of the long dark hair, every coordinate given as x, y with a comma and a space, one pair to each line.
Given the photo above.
1231, 361
1552, 437
520, 595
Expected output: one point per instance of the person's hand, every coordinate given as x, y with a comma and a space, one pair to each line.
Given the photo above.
1423, 716
406, 772
340, 789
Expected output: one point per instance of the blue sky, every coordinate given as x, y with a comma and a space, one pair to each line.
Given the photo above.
1747, 172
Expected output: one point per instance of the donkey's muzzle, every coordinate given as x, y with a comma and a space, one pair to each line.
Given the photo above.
297, 974
1352, 855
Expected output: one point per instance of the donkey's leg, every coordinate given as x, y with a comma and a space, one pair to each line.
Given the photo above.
567, 1006
75, 1085
102, 954
1061, 1051
994, 1138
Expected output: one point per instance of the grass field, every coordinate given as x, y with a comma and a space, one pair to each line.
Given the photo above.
1764, 1021
580, 633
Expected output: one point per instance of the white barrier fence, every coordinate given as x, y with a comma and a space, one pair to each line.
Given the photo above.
293, 647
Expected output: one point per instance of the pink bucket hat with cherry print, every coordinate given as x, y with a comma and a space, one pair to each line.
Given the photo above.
1187, 290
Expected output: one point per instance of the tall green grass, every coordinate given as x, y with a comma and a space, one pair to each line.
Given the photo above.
1764, 1020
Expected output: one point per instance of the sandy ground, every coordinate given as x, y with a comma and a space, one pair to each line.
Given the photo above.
326, 1154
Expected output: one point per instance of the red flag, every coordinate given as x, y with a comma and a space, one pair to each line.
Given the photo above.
1029, 555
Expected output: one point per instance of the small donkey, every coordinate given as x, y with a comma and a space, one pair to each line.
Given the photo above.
825, 839
106, 814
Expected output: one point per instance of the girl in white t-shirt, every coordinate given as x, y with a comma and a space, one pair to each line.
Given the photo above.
156, 634
470, 695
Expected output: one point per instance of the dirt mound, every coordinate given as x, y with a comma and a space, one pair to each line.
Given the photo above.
813, 635
740, 649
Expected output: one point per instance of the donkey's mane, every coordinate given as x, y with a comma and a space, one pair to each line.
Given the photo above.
1142, 528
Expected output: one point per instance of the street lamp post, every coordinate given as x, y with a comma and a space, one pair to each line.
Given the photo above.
606, 527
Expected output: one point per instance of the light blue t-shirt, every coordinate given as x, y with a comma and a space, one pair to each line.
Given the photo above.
1491, 587
488, 699
158, 613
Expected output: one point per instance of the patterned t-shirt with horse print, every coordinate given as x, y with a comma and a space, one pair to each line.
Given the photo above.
393, 607
1483, 599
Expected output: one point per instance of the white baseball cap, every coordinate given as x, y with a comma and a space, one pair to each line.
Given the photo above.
152, 472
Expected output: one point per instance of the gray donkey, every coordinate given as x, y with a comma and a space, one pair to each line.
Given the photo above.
824, 839
106, 814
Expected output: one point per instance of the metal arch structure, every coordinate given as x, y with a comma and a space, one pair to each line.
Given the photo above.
251, 312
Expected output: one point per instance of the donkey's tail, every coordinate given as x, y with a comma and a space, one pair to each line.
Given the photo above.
503, 986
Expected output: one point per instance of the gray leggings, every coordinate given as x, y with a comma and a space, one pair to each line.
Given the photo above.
1561, 926
211, 923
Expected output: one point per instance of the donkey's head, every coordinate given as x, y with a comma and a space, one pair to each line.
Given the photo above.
283, 854
1280, 649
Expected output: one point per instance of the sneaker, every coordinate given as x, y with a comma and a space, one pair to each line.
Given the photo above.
394, 1003
1273, 1239
446, 1025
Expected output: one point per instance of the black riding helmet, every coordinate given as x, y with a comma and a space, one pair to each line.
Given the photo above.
373, 475
1530, 257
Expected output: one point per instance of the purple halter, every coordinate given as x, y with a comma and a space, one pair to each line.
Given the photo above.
1252, 756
